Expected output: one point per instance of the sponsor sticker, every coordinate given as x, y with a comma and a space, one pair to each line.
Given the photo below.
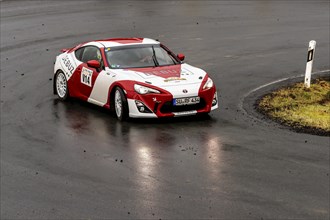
67, 66
186, 73
86, 76
185, 113
169, 79
115, 66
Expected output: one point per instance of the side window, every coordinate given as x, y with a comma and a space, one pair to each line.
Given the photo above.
91, 53
78, 53
163, 57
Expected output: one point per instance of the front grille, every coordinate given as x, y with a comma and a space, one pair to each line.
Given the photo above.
168, 107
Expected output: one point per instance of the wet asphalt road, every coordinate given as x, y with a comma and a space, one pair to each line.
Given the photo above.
74, 161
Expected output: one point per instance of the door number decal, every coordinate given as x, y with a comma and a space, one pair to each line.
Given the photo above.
86, 76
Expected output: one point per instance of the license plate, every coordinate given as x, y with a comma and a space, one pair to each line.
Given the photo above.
186, 101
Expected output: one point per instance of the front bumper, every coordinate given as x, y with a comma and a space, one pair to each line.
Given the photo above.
160, 105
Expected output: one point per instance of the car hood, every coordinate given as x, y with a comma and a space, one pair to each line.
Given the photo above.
165, 76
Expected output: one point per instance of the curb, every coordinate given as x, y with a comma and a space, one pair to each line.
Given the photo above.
249, 101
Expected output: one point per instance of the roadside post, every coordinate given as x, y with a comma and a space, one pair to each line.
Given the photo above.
309, 65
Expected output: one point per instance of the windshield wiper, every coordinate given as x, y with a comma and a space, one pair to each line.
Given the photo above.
154, 56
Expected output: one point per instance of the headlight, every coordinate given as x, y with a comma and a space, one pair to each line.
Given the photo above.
208, 84
144, 90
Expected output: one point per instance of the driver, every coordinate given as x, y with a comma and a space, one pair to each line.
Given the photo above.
146, 56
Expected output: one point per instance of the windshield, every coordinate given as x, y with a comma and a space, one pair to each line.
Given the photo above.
138, 57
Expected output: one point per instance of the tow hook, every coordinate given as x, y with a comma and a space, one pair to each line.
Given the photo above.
155, 100
156, 104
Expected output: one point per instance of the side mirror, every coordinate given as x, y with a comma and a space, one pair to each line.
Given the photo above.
94, 64
181, 56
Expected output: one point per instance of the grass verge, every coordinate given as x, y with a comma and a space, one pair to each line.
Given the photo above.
299, 107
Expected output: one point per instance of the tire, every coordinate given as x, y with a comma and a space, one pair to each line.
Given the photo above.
120, 104
61, 86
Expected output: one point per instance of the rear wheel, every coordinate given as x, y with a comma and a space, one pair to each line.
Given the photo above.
120, 104
61, 86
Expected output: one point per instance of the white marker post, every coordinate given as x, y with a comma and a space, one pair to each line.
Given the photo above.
309, 65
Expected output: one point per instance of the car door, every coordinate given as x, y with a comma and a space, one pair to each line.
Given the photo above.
86, 75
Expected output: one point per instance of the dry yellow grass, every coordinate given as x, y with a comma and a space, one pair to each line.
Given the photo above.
300, 107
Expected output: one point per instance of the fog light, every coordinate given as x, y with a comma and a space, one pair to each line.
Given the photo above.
141, 107
215, 99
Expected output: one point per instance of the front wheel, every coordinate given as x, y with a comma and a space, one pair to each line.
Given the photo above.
120, 104
61, 86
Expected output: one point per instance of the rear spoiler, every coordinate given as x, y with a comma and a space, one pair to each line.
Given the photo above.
65, 50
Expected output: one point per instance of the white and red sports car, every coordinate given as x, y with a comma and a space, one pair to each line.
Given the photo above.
134, 77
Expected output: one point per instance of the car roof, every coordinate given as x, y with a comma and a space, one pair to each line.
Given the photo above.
111, 42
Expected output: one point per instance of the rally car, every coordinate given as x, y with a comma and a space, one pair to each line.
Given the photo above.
134, 77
